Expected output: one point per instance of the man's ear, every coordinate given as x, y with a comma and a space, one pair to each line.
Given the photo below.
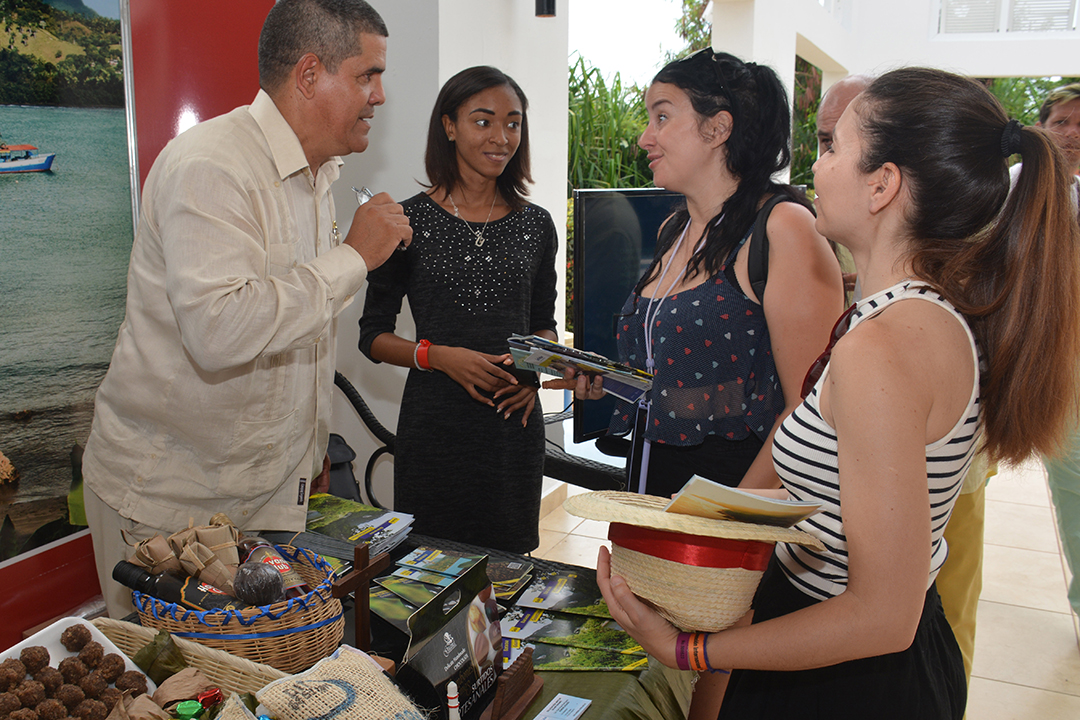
306, 74
1038, 123
885, 184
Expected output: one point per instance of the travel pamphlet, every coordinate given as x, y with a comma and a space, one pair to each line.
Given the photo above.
708, 499
571, 592
416, 593
556, 628
538, 354
440, 561
354, 522
507, 590
507, 572
391, 607
562, 657
422, 576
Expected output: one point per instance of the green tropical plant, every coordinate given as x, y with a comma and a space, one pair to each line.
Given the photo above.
1022, 96
606, 119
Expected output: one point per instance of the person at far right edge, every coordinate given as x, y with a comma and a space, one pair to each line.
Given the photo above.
939, 353
1060, 115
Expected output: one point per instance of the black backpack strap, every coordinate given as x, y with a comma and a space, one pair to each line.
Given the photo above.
758, 261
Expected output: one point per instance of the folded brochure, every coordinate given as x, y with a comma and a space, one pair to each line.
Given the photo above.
538, 354
556, 628
572, 592
561, 657
707, 499
443, 562
355, 523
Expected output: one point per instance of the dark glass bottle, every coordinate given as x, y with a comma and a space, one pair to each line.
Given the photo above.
186, 590
255, 549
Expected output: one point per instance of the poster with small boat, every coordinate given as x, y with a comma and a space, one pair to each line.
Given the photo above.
66, 192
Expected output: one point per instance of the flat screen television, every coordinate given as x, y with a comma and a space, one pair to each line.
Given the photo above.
614, 242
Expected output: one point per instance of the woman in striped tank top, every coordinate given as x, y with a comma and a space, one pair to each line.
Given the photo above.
971, 294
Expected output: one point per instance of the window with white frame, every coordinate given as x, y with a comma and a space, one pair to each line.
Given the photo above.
987, 16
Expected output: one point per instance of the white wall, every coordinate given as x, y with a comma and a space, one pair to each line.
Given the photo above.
429, 41
873, 36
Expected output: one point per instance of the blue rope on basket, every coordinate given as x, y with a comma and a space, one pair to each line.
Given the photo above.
158, 608
313, 627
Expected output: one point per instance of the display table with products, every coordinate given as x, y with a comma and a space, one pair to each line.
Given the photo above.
654, 693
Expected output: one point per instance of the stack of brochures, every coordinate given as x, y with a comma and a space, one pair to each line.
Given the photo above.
420, 575
545, 356
354, 523
563, 617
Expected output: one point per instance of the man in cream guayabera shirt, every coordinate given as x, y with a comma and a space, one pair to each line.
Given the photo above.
218, 395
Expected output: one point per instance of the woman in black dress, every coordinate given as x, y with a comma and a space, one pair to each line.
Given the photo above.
468, 462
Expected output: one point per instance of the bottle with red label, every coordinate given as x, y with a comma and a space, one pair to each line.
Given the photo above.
255, 549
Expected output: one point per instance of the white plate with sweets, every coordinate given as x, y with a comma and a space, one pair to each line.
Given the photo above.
56, 643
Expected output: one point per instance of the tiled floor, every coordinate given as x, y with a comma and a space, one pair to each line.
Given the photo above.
1027, 647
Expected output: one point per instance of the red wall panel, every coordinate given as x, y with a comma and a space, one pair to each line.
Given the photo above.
191, 60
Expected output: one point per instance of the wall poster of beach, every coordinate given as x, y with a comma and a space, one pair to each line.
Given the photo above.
65, 238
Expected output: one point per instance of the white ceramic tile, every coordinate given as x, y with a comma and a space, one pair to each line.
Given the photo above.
559, 520
576, 550
1024, 483
992, 700
592, 528
1034, 648
1028, 527
1027, 578
548, 540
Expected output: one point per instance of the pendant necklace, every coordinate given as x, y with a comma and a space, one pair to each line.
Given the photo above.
478, 233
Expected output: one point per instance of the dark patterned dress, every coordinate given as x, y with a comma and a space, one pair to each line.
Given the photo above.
716, 392
466, 473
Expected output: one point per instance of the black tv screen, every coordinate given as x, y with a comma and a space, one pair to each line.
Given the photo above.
614, 242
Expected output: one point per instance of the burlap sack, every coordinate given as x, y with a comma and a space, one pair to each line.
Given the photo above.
200, 562
155, 555
345, 686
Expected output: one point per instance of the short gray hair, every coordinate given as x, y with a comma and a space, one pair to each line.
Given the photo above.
327, 28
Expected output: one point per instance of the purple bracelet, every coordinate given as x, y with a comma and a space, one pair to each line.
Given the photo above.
682, 651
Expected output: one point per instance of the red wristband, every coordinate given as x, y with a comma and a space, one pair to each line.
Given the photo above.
422, 348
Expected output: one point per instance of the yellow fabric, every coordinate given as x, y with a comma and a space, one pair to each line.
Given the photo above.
960, 580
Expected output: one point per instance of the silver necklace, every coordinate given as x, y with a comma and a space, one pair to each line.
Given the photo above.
478, 233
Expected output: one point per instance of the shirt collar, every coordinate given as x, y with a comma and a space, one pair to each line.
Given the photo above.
285, 147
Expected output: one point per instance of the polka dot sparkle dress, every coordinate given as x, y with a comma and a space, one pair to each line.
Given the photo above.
466, 473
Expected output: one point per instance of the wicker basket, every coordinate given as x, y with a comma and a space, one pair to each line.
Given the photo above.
291, 635
228, 672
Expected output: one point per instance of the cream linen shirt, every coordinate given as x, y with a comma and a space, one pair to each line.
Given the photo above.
218, 395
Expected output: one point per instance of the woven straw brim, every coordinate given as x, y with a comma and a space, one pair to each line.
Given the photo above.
698, 599
648, 511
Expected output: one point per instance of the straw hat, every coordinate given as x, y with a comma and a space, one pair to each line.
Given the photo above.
699, 573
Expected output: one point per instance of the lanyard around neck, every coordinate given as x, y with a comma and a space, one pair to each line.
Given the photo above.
650, 313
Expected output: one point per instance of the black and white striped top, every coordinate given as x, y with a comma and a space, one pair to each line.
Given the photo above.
804, 452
